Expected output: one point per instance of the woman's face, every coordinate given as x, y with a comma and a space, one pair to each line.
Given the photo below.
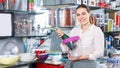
82, 15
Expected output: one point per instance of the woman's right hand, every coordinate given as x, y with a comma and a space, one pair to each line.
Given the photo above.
59, 32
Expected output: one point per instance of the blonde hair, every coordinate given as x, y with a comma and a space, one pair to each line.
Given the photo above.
91, 19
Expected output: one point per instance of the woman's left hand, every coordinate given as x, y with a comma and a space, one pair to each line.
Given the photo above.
72, 58
78, 58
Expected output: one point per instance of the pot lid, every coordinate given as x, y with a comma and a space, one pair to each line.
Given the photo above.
10, 47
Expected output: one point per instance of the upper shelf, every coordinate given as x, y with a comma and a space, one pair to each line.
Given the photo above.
112, 10
23, 12
112, 33
57, 6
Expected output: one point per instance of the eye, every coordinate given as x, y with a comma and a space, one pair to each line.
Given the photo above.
83, 13
77, 14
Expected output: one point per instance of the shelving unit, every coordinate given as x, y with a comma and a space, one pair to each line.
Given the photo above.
56, 7
112, 33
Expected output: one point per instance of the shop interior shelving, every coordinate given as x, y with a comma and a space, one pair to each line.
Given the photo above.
57, 6
112, 33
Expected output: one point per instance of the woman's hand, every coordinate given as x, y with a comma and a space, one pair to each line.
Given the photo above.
59, 32
78, 58
72, 58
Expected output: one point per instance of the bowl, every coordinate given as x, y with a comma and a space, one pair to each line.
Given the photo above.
39, 51
27, 57
8, 59
43, 56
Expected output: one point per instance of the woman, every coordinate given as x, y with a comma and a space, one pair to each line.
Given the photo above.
90, 46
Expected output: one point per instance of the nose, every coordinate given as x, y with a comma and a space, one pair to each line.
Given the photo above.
80, 17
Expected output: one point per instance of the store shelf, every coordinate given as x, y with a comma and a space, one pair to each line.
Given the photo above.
12, 11
112, 33
112, 10
41, 35
68, 5
94, 8
56, 6
24, 12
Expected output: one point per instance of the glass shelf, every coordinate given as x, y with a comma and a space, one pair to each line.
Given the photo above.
12, 11
66, 27
112, 33
33, 36
25, 12
56, 6
112, 10
94, 7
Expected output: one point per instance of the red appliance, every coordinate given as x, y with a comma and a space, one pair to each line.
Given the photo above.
44, 65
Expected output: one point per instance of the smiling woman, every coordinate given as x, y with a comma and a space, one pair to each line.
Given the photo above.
90, 46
